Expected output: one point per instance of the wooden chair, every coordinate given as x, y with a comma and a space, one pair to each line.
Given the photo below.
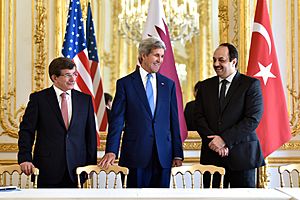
7, 173
196, 168
93, 175
289, 169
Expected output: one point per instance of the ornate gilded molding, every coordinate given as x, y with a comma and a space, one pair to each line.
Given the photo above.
39, 46
237, 14
223, 21
293, 86
116, 46
192, 143
9, 147
10, 115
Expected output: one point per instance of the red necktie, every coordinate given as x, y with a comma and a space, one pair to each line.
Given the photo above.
64, 109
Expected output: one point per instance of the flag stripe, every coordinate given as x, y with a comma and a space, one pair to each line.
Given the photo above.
100, 107
77, 48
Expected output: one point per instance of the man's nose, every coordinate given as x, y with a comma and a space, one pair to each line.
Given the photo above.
160, 59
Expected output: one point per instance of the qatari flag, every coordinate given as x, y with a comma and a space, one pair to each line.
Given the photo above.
156, 26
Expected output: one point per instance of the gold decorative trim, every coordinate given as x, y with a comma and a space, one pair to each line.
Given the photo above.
9, 147
283, 160
192, 143
39, 64
223, 21
10, 115
293, 86
270, 161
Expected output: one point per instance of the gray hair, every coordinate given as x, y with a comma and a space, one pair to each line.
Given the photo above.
148, 44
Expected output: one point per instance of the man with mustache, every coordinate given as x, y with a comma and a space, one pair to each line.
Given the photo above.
145, 107
228, 110
61, 122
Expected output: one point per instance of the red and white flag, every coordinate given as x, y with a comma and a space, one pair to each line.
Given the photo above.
100, 108
156, 26
76, 48
274, 128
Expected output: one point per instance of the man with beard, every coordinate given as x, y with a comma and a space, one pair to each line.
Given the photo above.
228, 109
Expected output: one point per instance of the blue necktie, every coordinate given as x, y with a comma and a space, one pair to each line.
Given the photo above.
149, 93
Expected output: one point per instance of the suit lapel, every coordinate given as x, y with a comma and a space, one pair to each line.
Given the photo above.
75, 107
140, 90
160, 84
53, 103
215, 92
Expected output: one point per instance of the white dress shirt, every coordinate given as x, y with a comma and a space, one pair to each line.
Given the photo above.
144, 77
229, 79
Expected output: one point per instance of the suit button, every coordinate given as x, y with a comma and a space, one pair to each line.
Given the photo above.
219, 122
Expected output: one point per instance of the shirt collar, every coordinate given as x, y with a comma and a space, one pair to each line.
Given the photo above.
59, 91
144, 73
229, 78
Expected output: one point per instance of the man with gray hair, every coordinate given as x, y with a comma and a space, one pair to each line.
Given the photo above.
145, 107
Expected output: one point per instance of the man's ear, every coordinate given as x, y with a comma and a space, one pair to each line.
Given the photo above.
234, 61
53, 77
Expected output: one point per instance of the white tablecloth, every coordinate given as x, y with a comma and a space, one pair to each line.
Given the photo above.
293, 192
149, 194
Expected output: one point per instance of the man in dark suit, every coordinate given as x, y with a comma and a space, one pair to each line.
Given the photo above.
189, 111
108, 104
61, 122
145, 102
228, 110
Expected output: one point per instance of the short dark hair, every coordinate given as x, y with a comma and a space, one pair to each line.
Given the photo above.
233, 53
59, 64
107, 98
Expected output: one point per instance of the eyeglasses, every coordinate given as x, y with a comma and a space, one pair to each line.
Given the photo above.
68, 75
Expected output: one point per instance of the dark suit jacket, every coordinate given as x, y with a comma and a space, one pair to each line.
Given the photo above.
142, 133
57, 149
236, 123
189, 115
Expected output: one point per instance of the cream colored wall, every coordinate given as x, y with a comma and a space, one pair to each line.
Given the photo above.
32, 32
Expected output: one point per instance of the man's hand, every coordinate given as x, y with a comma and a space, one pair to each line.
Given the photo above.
177, 163
107, 160
216, 143
223, 151
27, 167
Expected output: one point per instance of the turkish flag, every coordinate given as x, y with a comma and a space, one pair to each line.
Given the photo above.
156, 26
274, 128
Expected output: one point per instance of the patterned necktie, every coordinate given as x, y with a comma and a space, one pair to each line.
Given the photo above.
64, 109
222, 93
149, 92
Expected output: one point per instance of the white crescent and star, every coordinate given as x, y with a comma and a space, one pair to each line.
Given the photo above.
265, 71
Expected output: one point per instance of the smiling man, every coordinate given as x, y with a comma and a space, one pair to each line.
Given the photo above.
60, 120
228, 110
145, 107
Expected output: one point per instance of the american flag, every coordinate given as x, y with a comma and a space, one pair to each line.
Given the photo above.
95, 71
75, 48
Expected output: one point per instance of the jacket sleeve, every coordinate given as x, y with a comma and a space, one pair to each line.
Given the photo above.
27, 130
117, 117
177, 144
199, 115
